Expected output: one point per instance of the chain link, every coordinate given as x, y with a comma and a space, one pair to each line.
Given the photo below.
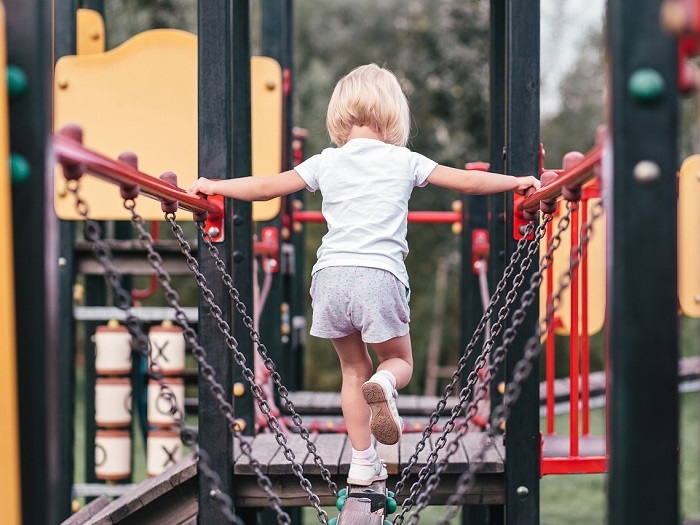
480, 363
497, 357
206, 370
248, 374
524, 366
141, 343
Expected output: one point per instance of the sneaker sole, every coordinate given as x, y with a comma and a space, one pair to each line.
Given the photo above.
366, 482
382, 424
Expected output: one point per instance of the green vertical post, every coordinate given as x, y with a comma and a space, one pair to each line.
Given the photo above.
640, 194
522, 141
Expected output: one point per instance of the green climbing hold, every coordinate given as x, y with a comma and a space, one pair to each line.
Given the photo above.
646, 85
390, 494
391, 505
387, 522
340, 502
333, 521
17, 81
19, 169
342, 492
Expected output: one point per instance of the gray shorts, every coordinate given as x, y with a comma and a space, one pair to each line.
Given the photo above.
348, 299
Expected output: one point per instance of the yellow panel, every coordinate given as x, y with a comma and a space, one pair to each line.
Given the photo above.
10, 495
688, 237
142, 97
90, 36
595, 250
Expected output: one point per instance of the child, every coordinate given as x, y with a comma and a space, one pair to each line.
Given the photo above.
359, 286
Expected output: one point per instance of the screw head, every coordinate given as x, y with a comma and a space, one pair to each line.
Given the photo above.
213, 231
522, 492
646, 171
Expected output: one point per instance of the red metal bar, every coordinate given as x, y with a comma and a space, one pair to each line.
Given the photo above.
574, 344
550, 345
420, 217
576, 176
574, 465
585, 346
70, 152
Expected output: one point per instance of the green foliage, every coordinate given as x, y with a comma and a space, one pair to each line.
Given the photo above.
439, 50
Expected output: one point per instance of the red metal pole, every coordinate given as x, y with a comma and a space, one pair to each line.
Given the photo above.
71, 152
551, 346
574, 344
585, 340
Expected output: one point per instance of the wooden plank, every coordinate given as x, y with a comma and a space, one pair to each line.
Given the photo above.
329, 448
279, 464
457, 462
390, 455
264, 447
364, 505
407, 446
479, 447
88, 511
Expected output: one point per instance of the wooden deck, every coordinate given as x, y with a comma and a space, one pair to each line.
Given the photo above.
171, 498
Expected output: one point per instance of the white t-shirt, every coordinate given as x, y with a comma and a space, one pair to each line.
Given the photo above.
365, 186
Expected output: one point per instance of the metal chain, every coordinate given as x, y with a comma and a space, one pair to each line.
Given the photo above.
463, 361
122, 299
497, 357
480, 363
262, 351
524, 366
206, 370
247, 373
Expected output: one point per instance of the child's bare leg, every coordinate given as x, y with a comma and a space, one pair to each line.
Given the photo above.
396, 356
356, 367
379, 392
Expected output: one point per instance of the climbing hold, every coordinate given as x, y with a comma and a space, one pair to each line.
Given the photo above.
343, 492
333, 521
340, 502
17, 81
391, 505
646, 85
19, 168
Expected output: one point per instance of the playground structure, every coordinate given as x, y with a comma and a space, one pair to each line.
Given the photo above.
644, 153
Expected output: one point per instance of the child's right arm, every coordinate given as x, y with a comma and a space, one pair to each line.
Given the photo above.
251, 188
477, 182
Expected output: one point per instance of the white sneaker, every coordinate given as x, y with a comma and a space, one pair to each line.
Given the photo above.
365, 472
385, 422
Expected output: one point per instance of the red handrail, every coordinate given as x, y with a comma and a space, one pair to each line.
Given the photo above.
69, 151
576, 176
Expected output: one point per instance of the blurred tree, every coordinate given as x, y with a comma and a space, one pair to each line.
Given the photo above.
439, 50
581, 104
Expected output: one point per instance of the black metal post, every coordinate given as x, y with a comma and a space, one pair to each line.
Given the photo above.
522, 132
640, 185
216, 159
44, 477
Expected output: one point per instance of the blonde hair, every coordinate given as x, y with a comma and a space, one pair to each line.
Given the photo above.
369, 96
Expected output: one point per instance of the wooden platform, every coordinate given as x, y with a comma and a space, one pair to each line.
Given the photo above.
171, 498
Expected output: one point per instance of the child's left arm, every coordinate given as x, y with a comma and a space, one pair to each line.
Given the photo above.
477, 182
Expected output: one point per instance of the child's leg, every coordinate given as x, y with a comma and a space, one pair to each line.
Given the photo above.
394, 371
395, 356
356, 367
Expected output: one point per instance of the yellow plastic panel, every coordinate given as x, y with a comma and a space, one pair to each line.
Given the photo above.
595, 250
688, 236
10, 495
90, 37
142, 97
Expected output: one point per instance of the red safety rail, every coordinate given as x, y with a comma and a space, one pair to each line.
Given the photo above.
70, 152
570, 457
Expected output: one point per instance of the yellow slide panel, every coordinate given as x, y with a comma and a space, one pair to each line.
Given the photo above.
10, 494
90, 35
688, 236
595, 251
142, 97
